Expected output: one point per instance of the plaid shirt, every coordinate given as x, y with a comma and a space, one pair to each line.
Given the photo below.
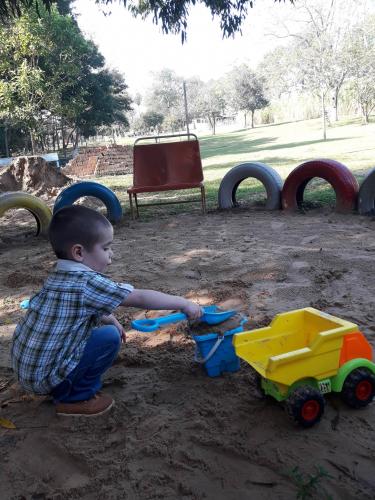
49, 341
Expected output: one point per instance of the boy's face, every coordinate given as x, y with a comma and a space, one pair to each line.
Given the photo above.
100, 255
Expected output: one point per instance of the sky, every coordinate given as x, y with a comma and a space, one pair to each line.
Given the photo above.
137, 47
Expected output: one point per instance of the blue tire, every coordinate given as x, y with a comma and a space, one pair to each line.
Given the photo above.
72, 193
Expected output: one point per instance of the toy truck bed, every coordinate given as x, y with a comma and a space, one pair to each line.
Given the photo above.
300, 344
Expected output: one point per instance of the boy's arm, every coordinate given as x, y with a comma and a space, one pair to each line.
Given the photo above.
151, 299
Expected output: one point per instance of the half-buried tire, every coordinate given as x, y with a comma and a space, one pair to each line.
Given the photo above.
72, 193
34, 205
366, 195
270, 179
338, 175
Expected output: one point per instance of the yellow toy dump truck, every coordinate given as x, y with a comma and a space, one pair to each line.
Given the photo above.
306, 353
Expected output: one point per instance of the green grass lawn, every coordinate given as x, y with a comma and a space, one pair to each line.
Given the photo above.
283, 147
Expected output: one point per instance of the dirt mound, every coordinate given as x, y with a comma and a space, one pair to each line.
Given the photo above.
33, 175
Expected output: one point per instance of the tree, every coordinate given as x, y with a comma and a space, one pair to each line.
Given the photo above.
361, 53
170, 14
165, 94
212, 102
153, 120
54, 81
165, 97
318, 48
280, 72
194, 89
106, 100
23, 89
247, 91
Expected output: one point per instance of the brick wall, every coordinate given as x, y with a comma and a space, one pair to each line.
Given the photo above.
101, 160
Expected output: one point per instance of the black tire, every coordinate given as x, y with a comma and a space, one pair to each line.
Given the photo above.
359, 388
305, 406
258, 386
366, 195
260, 171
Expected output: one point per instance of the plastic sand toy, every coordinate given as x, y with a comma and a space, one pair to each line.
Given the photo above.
215, 351
212, 315
214, 342
305, 354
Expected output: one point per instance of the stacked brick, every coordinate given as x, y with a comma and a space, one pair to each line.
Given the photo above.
100, 161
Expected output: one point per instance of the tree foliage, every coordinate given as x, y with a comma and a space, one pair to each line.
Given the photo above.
361, 52
319, 58
51, 77
172, 15
152, 120
212, 102
247, 91
165, 97
166, 92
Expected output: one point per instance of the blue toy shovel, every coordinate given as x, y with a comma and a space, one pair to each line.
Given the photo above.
211, 316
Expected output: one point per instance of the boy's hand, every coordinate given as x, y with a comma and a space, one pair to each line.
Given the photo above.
121, 330
112, 320
192, 310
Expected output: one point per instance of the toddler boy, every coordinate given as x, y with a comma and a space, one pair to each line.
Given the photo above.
69, 336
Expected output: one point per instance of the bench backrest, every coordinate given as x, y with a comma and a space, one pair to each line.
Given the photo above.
167, 163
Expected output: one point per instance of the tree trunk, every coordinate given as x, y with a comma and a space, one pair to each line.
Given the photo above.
57, 138
6, 142
336, 102
76, 139
336, 96
42, 143
324, 116
211, 121
70, 137
32, 139
252, 118
63, 139
245, 116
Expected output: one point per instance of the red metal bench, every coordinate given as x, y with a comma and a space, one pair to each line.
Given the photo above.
166, 166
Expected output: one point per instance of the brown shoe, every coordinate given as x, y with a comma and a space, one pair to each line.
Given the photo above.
93, 407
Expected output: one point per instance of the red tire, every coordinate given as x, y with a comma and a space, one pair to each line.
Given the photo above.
338, 175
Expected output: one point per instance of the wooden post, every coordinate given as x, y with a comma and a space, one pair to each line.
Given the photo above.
186, 108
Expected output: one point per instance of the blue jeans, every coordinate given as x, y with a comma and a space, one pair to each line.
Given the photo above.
84, 381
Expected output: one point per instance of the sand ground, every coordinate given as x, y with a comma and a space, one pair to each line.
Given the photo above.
175, 432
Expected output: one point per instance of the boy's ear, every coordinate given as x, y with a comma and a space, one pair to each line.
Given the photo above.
77, 252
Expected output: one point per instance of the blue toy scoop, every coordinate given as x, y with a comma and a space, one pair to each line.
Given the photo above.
211, 315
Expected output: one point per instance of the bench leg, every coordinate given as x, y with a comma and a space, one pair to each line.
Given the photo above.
136, 204
131, 205
203, 195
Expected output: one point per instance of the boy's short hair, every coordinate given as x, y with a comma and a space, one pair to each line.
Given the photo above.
73, 225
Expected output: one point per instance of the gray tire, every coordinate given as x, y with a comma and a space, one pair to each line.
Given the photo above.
260, 171
366, 195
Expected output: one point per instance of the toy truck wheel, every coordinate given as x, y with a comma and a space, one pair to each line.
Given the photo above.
258, 386
359, 388
305, 406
